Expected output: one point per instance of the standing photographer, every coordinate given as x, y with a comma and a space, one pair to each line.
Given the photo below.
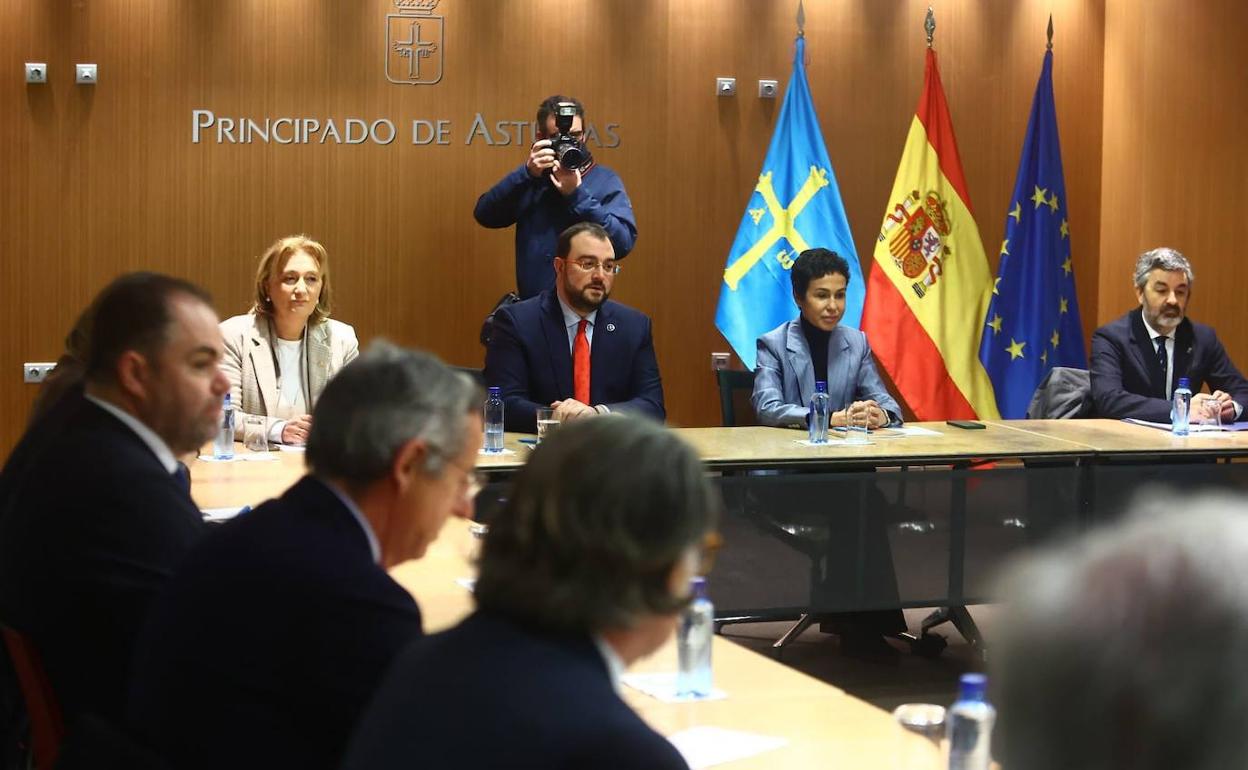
558, 186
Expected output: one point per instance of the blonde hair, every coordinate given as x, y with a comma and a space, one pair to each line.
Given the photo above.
272, 262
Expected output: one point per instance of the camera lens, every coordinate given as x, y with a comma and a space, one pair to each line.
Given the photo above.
570, 154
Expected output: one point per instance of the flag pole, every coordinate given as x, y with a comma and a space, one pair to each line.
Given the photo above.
1049, 47
801, 19
929, 25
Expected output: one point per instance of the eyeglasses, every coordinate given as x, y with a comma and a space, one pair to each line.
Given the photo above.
474, 480
608, 267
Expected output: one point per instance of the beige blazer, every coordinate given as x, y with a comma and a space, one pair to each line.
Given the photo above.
248, 363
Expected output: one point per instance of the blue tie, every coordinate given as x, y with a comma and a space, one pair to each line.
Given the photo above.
183, 477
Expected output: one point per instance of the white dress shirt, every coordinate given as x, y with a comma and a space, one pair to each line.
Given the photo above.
1153, 334
572, 320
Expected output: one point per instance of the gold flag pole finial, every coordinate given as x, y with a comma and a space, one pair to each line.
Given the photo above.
929, 24
801, 19
1049, 47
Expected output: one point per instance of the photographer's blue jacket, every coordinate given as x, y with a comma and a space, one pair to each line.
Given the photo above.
540, 213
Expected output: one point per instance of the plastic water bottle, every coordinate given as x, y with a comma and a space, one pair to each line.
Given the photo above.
494, 421
1181, 413
223, 444
970, 721
820, 412
693, 644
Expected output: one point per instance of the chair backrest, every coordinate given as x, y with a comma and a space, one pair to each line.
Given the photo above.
735, 388
47, 728
477, 375
1065, 392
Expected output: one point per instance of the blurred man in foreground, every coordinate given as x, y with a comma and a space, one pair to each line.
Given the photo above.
270, 641
1123, 649
583, 573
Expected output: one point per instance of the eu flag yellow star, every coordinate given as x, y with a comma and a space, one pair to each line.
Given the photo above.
1065, 228
1015, 349
1056, 339
1044, 357
1005, 247
995, 283
1066, 265
1017, 213
995, 323
1065, 306
1053, 203
1040, 196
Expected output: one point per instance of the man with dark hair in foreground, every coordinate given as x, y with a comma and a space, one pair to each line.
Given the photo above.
583, 573
95, 510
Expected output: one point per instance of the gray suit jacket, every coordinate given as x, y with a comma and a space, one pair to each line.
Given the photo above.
784, 380
248, 363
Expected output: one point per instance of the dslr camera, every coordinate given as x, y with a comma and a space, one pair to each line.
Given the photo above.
568, 150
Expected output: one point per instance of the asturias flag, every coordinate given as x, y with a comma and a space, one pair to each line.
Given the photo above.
1033, 321
930, 282
795, 206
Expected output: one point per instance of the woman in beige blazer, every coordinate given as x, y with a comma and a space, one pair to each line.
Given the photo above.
280, 355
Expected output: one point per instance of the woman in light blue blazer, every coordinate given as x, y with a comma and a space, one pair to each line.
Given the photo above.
790, 358
813, 347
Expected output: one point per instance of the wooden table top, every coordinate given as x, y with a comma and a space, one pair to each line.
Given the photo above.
245, 482
1120, 438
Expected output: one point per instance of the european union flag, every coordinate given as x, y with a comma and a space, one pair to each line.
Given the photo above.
1033, 319
795, 206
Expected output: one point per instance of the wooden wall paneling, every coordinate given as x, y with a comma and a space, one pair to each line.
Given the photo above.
106, 179
1174, 165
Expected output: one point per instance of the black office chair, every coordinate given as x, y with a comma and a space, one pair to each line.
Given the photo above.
735, 389
1064, 393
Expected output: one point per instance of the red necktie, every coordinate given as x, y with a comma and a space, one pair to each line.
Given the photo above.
580, 364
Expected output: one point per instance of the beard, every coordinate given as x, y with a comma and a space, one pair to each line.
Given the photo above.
586, 300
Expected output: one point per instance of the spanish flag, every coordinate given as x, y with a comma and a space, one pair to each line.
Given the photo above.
930, 285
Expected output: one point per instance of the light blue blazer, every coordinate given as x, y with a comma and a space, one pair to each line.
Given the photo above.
784, 380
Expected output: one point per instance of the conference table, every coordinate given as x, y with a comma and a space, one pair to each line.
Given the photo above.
920, 517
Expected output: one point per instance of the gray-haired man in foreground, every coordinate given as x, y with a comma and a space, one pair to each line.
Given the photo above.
1128, 648
278, 628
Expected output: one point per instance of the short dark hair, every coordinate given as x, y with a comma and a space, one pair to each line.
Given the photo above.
547, 108
133, 313
598, 518
382, 400
564, 246
816, 263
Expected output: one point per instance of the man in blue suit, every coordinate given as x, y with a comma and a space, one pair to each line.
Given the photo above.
1138, 359
573, 348
795, 354
270, 640
95, 509
584, 572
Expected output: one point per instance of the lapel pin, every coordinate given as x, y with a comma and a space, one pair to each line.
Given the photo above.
610, 327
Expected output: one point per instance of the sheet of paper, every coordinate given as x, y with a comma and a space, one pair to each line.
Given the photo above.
244, 457
496, 454
662, 686
468, 584
709, 746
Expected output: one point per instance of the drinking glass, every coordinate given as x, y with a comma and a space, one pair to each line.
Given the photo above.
926, 721
1211, 415
857, 426
546, 422
255, 433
